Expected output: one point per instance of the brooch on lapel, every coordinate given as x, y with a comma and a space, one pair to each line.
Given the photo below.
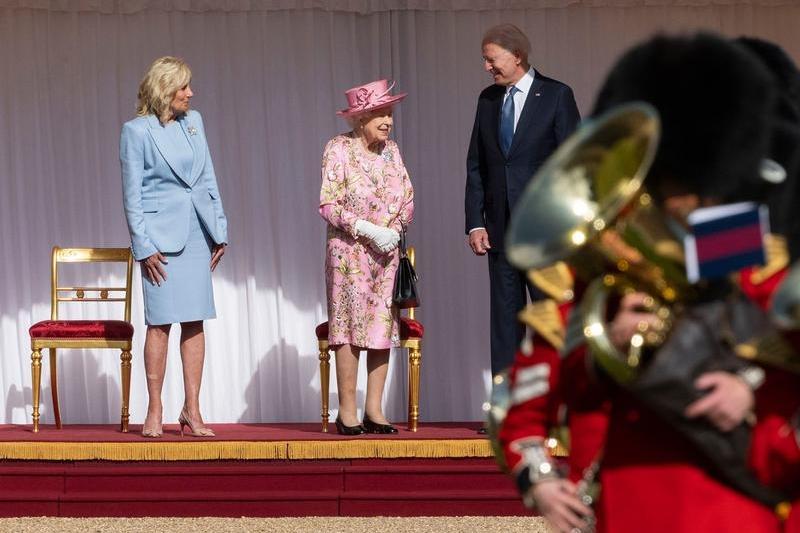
192, 130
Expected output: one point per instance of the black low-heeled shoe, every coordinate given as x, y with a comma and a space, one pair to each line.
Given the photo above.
374, 427
341, 429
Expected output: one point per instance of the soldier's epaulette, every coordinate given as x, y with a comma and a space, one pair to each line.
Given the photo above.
555, 280
772, 350
544, 318
777, 255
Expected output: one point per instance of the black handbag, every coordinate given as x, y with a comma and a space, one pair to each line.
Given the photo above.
404, 295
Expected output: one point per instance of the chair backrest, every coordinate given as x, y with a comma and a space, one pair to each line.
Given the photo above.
412, 256
102, 294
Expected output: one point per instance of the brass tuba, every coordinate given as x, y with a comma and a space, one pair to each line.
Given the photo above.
587, 205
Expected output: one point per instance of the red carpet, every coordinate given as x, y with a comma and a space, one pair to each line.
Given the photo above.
443, 469
238, 441
398, 487
229, 432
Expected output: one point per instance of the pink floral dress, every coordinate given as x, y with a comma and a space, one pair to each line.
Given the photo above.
358, 184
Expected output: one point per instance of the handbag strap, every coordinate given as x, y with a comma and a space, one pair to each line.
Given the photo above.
402, 245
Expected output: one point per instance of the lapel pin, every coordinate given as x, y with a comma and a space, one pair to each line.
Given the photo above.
537, 94
192, 130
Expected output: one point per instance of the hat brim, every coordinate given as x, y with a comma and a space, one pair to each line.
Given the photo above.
349, 112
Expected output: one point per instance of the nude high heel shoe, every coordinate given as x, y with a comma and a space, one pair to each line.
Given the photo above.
152, 433
183, 420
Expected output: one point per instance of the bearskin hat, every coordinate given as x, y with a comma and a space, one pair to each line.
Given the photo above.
715, 100
783, 198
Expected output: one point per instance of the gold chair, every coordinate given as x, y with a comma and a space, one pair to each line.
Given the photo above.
411, 333
55, 333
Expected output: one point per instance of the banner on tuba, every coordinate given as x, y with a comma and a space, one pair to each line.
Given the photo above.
725, 239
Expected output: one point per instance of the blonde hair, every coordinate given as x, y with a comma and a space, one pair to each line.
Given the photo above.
162, 80
508, 37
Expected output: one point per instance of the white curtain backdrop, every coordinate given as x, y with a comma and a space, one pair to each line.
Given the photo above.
268, 78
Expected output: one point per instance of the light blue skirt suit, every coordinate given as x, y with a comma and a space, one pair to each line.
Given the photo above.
173, 206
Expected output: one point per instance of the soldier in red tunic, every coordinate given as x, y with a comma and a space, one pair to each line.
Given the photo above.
548, 390
655, 475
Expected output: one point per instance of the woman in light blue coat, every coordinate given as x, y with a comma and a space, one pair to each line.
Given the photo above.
178, 230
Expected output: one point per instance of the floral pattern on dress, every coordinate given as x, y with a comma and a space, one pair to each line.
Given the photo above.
357, 184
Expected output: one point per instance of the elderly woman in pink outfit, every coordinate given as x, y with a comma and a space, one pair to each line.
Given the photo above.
366, 198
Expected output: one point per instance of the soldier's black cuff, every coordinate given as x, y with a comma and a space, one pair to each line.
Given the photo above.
524, 482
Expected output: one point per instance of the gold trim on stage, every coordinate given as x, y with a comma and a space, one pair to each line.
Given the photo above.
245, 450
389, 449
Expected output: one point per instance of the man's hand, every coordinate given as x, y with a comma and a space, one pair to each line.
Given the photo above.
558, 502
478, 240
727, 403
632, 317
216, 254
154, 268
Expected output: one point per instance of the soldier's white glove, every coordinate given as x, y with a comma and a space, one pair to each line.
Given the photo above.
382, 239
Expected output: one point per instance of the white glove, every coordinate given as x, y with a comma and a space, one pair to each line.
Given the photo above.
382, 239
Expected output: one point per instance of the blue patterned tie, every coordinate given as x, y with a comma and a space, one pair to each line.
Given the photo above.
507, 120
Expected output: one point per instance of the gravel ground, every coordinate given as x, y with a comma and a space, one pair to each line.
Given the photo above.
469, 524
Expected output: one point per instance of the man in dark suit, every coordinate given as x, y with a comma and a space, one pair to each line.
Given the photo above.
520, 121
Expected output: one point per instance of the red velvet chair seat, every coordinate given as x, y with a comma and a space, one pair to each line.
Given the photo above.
82, 329
411, 329
408, 329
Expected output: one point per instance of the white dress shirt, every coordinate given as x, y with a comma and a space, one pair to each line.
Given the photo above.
524, 86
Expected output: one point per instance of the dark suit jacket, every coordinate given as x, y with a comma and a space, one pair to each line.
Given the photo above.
494, 181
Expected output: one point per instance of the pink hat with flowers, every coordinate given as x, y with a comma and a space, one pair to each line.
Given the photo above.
373, 95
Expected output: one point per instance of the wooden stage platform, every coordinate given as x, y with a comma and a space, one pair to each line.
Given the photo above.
251, 470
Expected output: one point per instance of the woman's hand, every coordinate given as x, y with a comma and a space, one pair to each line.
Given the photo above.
387, 240
558, 501
154, 268
216, 254
383, 239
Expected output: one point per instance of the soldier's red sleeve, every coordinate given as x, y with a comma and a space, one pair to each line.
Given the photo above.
533, 403
774, 450
760, 291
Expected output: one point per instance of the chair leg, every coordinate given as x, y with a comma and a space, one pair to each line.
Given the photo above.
414, 361
54, 386
36, 371
125, 367
324, 381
